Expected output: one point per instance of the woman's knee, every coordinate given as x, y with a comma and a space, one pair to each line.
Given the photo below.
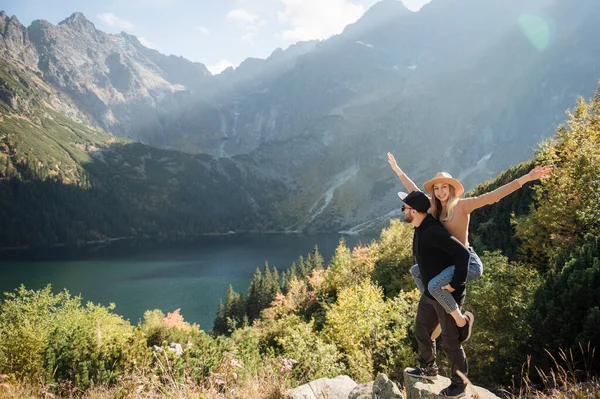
414, 270
435, 285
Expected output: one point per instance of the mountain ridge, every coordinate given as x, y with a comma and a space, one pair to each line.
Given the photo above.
461, 87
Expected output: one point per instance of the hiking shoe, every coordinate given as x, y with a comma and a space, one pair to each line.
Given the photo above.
428, 372
454, 391
436, 332
464, 332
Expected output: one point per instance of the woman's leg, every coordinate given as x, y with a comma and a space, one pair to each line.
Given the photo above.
414, 270
475, 267
444, 297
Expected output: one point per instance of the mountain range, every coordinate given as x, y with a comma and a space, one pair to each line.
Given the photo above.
296, 141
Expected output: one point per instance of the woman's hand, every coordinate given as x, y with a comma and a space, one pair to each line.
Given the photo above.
448, 288
394, 164
541, 172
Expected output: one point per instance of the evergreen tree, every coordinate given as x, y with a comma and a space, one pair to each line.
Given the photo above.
220, 324
568, 203
568, 304
255, 294
315, 260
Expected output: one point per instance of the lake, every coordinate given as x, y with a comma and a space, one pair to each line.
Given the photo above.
142, 275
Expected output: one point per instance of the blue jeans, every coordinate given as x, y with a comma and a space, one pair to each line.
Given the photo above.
444, 297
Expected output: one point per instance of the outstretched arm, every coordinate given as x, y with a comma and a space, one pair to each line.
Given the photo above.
410, 186
541, 172
470, 204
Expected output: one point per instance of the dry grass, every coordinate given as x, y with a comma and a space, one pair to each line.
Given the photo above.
571, 377
225, 383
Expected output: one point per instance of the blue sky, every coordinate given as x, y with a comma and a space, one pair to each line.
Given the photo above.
216, 33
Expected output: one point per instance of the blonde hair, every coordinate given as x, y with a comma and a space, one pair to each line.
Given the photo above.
436, 205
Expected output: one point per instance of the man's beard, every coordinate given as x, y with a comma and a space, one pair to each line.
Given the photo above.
408, 217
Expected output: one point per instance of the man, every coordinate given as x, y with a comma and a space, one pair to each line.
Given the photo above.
435, 249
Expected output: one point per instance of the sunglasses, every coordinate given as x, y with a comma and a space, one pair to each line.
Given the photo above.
404, 207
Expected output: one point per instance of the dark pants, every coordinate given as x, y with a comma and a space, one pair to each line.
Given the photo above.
429, 314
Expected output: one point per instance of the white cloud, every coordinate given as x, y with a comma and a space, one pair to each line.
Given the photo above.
241, 15
219, 67
112, 20
201, 29
146, 42
248, 22
318, 19
249, 36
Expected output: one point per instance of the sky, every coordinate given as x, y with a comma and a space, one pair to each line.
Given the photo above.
218, 33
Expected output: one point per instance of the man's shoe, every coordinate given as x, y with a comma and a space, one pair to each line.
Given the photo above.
436, 332
428, 372
454, 391
464, 332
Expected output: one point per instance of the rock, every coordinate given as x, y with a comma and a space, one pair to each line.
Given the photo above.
362, 391
175, 347
418, 388
384, 388
336, 388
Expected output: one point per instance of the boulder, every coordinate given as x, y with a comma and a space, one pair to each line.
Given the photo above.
330, 388
362, 391
175, 347
384, 388
419, 388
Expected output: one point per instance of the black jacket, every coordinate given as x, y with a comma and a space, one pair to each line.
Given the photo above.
435, 249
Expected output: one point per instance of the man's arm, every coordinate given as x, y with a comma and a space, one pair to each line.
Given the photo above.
459, 253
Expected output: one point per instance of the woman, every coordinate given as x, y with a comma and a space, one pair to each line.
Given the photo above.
455, 213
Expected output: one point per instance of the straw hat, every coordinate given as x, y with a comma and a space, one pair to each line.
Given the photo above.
447, 178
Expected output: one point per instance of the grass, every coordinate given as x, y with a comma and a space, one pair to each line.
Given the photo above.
571, 377
269, 383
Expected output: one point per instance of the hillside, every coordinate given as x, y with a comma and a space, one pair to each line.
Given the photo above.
468, 87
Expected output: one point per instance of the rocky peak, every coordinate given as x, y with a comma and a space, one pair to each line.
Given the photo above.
14, 41
9, 24
132, 39
380, 14
39, 32
77, 21
3, 21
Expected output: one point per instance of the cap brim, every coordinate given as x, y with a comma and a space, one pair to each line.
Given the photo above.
402, 195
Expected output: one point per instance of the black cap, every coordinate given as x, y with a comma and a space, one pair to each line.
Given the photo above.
417, 200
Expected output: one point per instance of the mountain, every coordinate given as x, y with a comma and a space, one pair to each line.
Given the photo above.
464, 86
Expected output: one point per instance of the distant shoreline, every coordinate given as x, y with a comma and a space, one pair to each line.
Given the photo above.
167, 238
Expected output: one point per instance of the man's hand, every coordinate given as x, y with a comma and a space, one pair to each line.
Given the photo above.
393, 163
448, 288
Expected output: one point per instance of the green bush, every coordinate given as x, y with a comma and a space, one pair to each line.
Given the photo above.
394, 258
292, 338
567, 205
566, 309
158, 328
371, 332
500, 300
51, 337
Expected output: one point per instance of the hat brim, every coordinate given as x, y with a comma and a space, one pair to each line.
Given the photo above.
458, 188
402, 195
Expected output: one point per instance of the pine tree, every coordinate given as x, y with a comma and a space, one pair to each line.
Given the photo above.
255, 294
315, 259
220, 324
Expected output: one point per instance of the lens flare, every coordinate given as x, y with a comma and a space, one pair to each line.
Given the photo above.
537, 30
